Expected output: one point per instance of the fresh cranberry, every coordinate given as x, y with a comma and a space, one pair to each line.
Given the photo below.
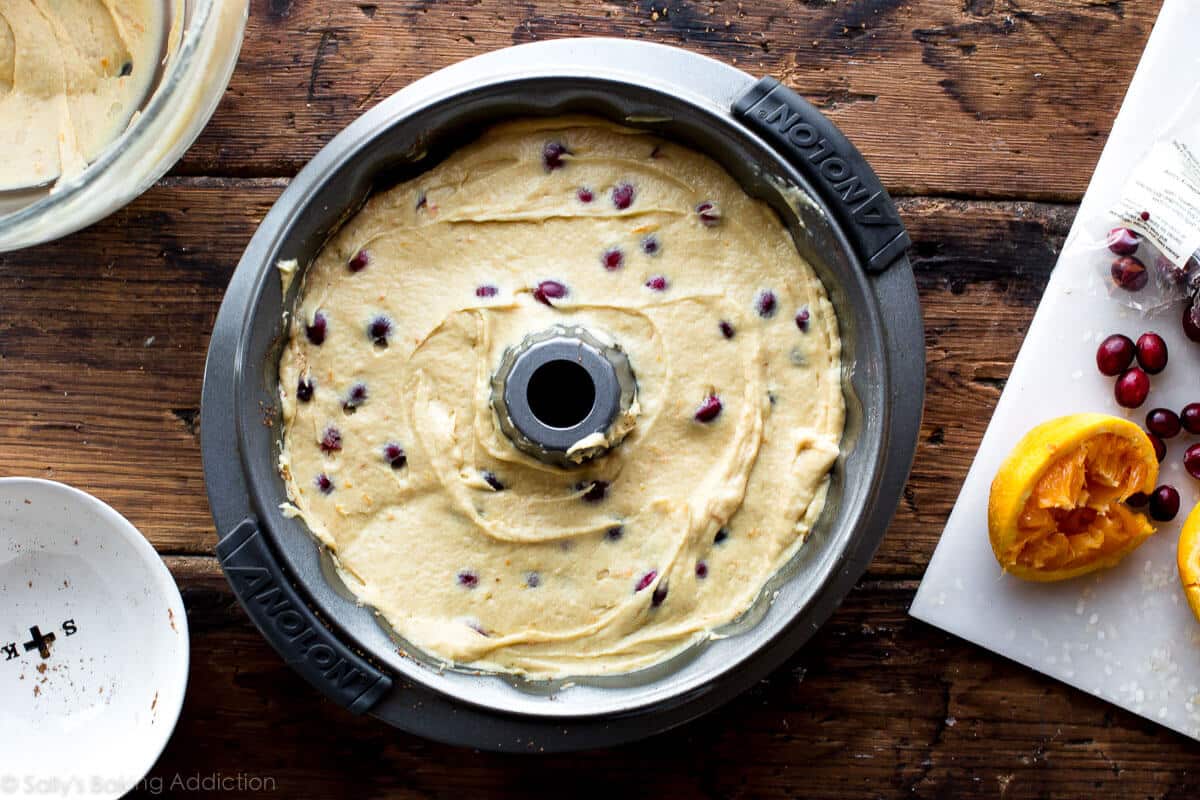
1162, 422
394, 454
1191, 461
356, 397
1164, 503
622, 196
1152, 353
1123, 241
765, 303
304, 390
552, 155
658, 283
596, 491
323, 483
1129, 274
612, 259
585, 195
1160, 447
646, 580
317, 330
1137, 500
331, 440
486, 290
492, 481
1190, 417
1170, 272
1132, 388
659, 595
709, 409
709, 213
549, 290
802, 318
614, 533
721, 536
359, 261
1191, 322
701, 570
1115, 354
726, 329
468, 579
651, 246
1145, 215
379, 329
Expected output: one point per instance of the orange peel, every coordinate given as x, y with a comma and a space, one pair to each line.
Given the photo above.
1057, 506
1188, 559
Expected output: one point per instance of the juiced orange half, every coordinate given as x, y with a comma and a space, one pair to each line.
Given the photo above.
1188, 558
1057, 508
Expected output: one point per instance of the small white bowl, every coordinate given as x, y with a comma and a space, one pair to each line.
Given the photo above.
88, 713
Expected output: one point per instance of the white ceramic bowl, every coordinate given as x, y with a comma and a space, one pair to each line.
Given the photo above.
88, 713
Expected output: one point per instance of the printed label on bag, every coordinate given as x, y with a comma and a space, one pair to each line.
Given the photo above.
1161, 200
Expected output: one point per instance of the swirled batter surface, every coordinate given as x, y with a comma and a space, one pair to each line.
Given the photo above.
483, 556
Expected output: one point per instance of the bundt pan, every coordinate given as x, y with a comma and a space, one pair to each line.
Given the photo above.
781, 150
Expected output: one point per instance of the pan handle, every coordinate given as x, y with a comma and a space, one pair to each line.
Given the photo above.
833, 166
291, 627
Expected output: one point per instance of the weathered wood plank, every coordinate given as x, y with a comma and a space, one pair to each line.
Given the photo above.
103, 338
877, 705
984, 98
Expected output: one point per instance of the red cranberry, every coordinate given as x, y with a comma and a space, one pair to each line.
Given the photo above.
622, 196
356, 397
468, 579
1164, 503
1152, 353
1162, 422
552, 155
658, 283
323, 483
765, 303
651, 246
486, 290
701, 570
1170, 272
726, 329
1191, 461
1191, 322
1190, 417
1123, 241
359, 261
659, 595
585, 195
1132, 388
378, 330
597, 491
1145, 215
317, 330
646, 580
709, 409
1115, 354
709, 213
802, 317
304, 390
394, 454
1129, 274
549, 290
331, 440
1160, 447
612, 259
1137, 500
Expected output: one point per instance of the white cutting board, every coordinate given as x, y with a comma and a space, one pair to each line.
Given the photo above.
1125, 635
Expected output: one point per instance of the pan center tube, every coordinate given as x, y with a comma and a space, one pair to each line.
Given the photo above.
564, 395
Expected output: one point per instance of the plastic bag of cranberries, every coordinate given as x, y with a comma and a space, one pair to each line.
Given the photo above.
1150, 237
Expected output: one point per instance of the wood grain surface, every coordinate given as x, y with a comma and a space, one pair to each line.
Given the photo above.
985, 119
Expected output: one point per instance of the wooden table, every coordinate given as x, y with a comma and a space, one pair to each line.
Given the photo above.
984, 118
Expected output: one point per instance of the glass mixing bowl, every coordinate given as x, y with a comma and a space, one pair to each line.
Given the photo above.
199, 52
